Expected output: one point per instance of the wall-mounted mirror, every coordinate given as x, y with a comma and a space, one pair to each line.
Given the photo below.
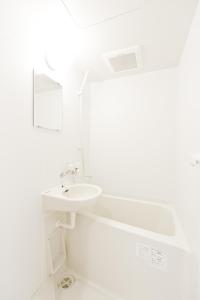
48, 105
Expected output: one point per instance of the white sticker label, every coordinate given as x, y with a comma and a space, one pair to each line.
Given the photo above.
154, 257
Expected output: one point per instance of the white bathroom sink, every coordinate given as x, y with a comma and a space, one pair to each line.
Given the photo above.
71, 198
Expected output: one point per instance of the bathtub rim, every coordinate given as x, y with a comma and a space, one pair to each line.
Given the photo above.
177, 240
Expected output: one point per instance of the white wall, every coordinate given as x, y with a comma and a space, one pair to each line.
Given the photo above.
188, 138
132, 136
30, 159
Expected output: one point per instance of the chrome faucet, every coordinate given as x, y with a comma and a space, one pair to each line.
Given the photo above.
73, 172
70, 169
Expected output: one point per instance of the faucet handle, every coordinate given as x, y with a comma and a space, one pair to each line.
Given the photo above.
67, 170
70, 169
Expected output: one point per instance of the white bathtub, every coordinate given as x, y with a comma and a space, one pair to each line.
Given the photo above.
134, 249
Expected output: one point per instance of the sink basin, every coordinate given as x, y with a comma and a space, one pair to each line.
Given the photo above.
72, 198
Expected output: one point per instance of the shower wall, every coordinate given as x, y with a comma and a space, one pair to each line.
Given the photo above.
132, 135
188, 141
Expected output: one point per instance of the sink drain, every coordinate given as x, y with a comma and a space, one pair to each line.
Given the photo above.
67, 282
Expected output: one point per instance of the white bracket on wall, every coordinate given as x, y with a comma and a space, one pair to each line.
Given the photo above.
71, 224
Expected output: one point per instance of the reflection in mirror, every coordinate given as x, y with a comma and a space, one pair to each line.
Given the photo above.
47, 102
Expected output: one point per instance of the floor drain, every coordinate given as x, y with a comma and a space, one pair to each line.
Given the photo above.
67, 282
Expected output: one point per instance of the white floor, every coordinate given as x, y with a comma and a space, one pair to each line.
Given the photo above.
80, 290
83, 291
46, 292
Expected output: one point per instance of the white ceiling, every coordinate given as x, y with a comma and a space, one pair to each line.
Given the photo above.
88, 12
160, 27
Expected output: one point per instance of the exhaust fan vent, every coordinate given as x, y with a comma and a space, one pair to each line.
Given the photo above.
124, 59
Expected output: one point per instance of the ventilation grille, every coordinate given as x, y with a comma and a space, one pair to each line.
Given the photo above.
124, 59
